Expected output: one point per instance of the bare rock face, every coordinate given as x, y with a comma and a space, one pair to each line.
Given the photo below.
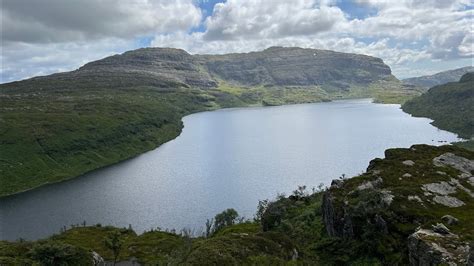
427, 247
449, 219
441, 188
462, 164
371, 184
448, 201
280, 66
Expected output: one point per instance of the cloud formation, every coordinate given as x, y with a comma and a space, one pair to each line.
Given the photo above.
413, 36
45, 21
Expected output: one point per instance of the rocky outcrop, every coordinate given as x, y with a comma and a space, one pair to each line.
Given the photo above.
465, 166
427, 247
399, 197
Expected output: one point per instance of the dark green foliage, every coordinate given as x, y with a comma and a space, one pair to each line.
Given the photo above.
114, 242
451, 106
224, 219
58, 253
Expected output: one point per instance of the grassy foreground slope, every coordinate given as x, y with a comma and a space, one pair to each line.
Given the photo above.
389, 215
451, 106
60, 126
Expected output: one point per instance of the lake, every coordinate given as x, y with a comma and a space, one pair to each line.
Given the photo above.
229, 158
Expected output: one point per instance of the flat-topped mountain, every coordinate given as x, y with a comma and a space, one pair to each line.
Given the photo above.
439, 78
275, 66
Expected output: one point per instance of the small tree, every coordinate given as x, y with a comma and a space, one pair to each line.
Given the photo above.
209, 228
261, 208
114, 243
225, 218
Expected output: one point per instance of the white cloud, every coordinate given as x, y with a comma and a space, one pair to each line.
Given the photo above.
41, 37
27, 60
259, 19
59, 20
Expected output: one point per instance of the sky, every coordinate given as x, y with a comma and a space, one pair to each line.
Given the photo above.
414, 37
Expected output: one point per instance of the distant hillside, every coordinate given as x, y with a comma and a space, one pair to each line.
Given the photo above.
59, 126
414, 207
438, 78
451, 106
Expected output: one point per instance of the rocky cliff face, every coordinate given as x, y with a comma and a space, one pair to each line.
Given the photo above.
419, 199
278, 66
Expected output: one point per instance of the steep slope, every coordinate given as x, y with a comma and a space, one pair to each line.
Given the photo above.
439, 78
62, 125
412, 208
451, 106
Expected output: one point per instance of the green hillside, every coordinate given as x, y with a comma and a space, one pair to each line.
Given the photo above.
451, 106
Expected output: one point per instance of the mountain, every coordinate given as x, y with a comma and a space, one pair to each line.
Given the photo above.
414, 207
60, 126
439, 78
451, 106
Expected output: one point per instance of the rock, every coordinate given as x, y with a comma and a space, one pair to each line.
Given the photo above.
470, 259
426, 247
448, 201
97, 260
408, 162
414, 198
440, 172
441, 188
470, 180
381, 224
371, 184
441, 229
338, 224
450, 220
336, 183
387, 196
406, 175
462, 164
295, 254
456, 183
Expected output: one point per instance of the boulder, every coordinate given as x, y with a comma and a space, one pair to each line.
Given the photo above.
426, 247
464, 165
450, 220
441, 229
371, 184
448, 201
408, 163
441, 188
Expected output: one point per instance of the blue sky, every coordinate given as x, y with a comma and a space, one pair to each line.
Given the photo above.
414, 37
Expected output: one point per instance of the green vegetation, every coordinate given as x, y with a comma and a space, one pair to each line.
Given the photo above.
451, 106
52, 135
61, 126
349, 223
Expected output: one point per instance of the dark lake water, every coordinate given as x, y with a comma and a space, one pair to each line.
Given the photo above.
223, 159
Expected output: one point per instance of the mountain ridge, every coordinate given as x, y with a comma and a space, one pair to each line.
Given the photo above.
439, 78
